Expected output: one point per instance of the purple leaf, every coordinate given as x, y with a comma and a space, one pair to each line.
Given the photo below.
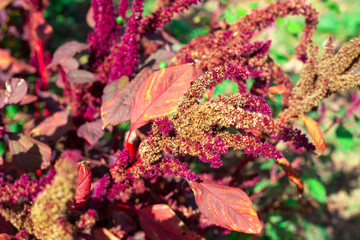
28, 153
117, 109
91, 132
81, 76
66, 51
112, 88
15, 90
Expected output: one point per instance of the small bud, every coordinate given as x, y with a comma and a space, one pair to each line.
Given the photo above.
119, 20
83, 182
163, 64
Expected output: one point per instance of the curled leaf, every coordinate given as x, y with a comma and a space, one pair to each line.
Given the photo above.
83, 184
291, 173
227, 207
315, 132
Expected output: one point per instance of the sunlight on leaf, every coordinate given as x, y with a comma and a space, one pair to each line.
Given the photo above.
227, 207
315, 132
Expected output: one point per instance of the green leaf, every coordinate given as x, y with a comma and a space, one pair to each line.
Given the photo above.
229, 15
261, 184
2, 148
249, 83
124, 126
267, 165
201, 31
292, 203
332, 6
238, 235
241, 12
293, 27
227, 87
329, 22
254, 5
344, 137
11, 111
317, 190
314, 231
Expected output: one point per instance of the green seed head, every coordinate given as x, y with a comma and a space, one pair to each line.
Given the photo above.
163, 64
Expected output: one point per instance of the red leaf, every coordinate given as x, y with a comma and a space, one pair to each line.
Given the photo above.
117, 110
83, 183
160, 222
50, 124
28, 153
291, 173
15, 90
315, 132
66, 51
79, 76
91, 132
159, 95
226, 207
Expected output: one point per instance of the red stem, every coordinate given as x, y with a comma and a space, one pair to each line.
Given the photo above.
40, 57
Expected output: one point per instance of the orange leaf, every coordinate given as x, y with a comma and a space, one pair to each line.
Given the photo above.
160, 93
227, 207
315, 132
278, 89
291, 173
83, 183
256, 132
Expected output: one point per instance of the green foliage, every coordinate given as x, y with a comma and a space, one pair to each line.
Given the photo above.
314, 231
227, 87
344, 137
317, 190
